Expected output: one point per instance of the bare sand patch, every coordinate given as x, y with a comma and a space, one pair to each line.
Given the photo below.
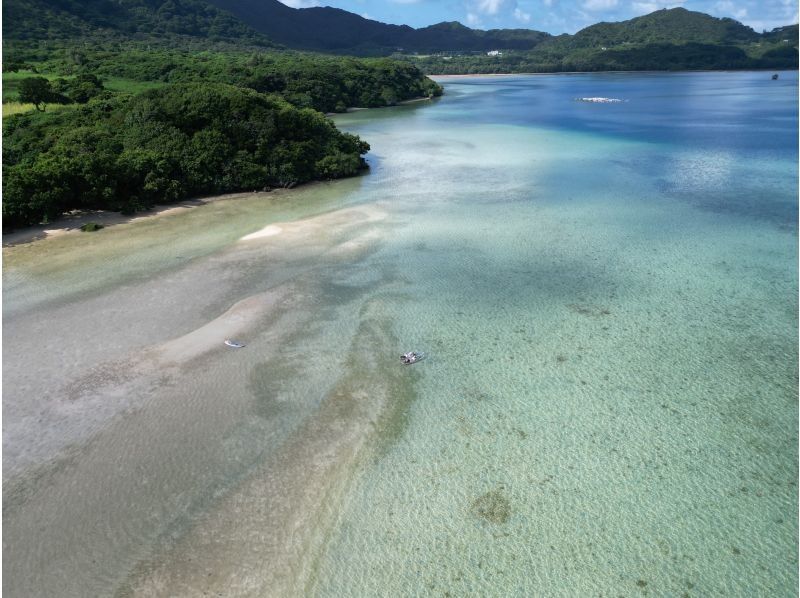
267, 231
241, 316
314, 228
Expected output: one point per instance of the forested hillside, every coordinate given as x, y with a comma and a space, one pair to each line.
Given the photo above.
152, 20
333, 30
669, 39
673, 26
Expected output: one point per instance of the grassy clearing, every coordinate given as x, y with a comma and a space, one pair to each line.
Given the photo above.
10, 108
11, 83
11, 87
117, 84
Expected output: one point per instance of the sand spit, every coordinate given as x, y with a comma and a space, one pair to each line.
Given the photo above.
356, 246
308, 228
234, 322
71, 223
264, 537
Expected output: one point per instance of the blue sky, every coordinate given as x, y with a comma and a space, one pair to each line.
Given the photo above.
554, 16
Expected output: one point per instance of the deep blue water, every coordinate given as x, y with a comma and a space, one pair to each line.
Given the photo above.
746, 112
698, 125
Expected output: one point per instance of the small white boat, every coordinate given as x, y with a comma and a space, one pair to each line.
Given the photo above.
600, 100
234, 344
412, 357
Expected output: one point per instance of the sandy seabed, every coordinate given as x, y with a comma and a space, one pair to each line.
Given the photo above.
608, 407
148, 408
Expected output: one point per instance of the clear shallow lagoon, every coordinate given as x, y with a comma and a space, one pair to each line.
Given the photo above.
608, 295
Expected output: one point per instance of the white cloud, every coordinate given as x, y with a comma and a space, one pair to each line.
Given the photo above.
547, 3
771, 13
522, 17
301, 3
648, 6
729, 9
599, 4
489, 7
496, 10
473, 19
643, 8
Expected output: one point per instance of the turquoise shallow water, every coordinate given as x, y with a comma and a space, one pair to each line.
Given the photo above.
608, 297
610, 308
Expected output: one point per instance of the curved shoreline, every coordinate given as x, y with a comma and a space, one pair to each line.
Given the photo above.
71, 223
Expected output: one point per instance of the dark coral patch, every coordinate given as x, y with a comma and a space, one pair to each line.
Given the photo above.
493, 506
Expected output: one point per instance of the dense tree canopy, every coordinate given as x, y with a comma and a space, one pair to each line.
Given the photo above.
183, 140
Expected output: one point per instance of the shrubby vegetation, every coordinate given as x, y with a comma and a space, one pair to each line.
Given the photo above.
325, 83
128, 153
40, 91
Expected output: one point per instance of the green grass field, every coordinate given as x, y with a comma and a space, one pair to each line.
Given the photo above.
11, 108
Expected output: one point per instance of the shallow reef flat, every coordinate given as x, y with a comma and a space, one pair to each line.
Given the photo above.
608, 308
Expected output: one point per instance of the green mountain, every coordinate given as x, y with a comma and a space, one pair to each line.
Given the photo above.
669, 39
666, 26
787, 34
666, 39
333, 30
84, 20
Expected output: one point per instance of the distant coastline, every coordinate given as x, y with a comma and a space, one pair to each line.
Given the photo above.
651, 72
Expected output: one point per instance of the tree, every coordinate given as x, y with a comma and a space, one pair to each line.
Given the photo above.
80, 89
37, 91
